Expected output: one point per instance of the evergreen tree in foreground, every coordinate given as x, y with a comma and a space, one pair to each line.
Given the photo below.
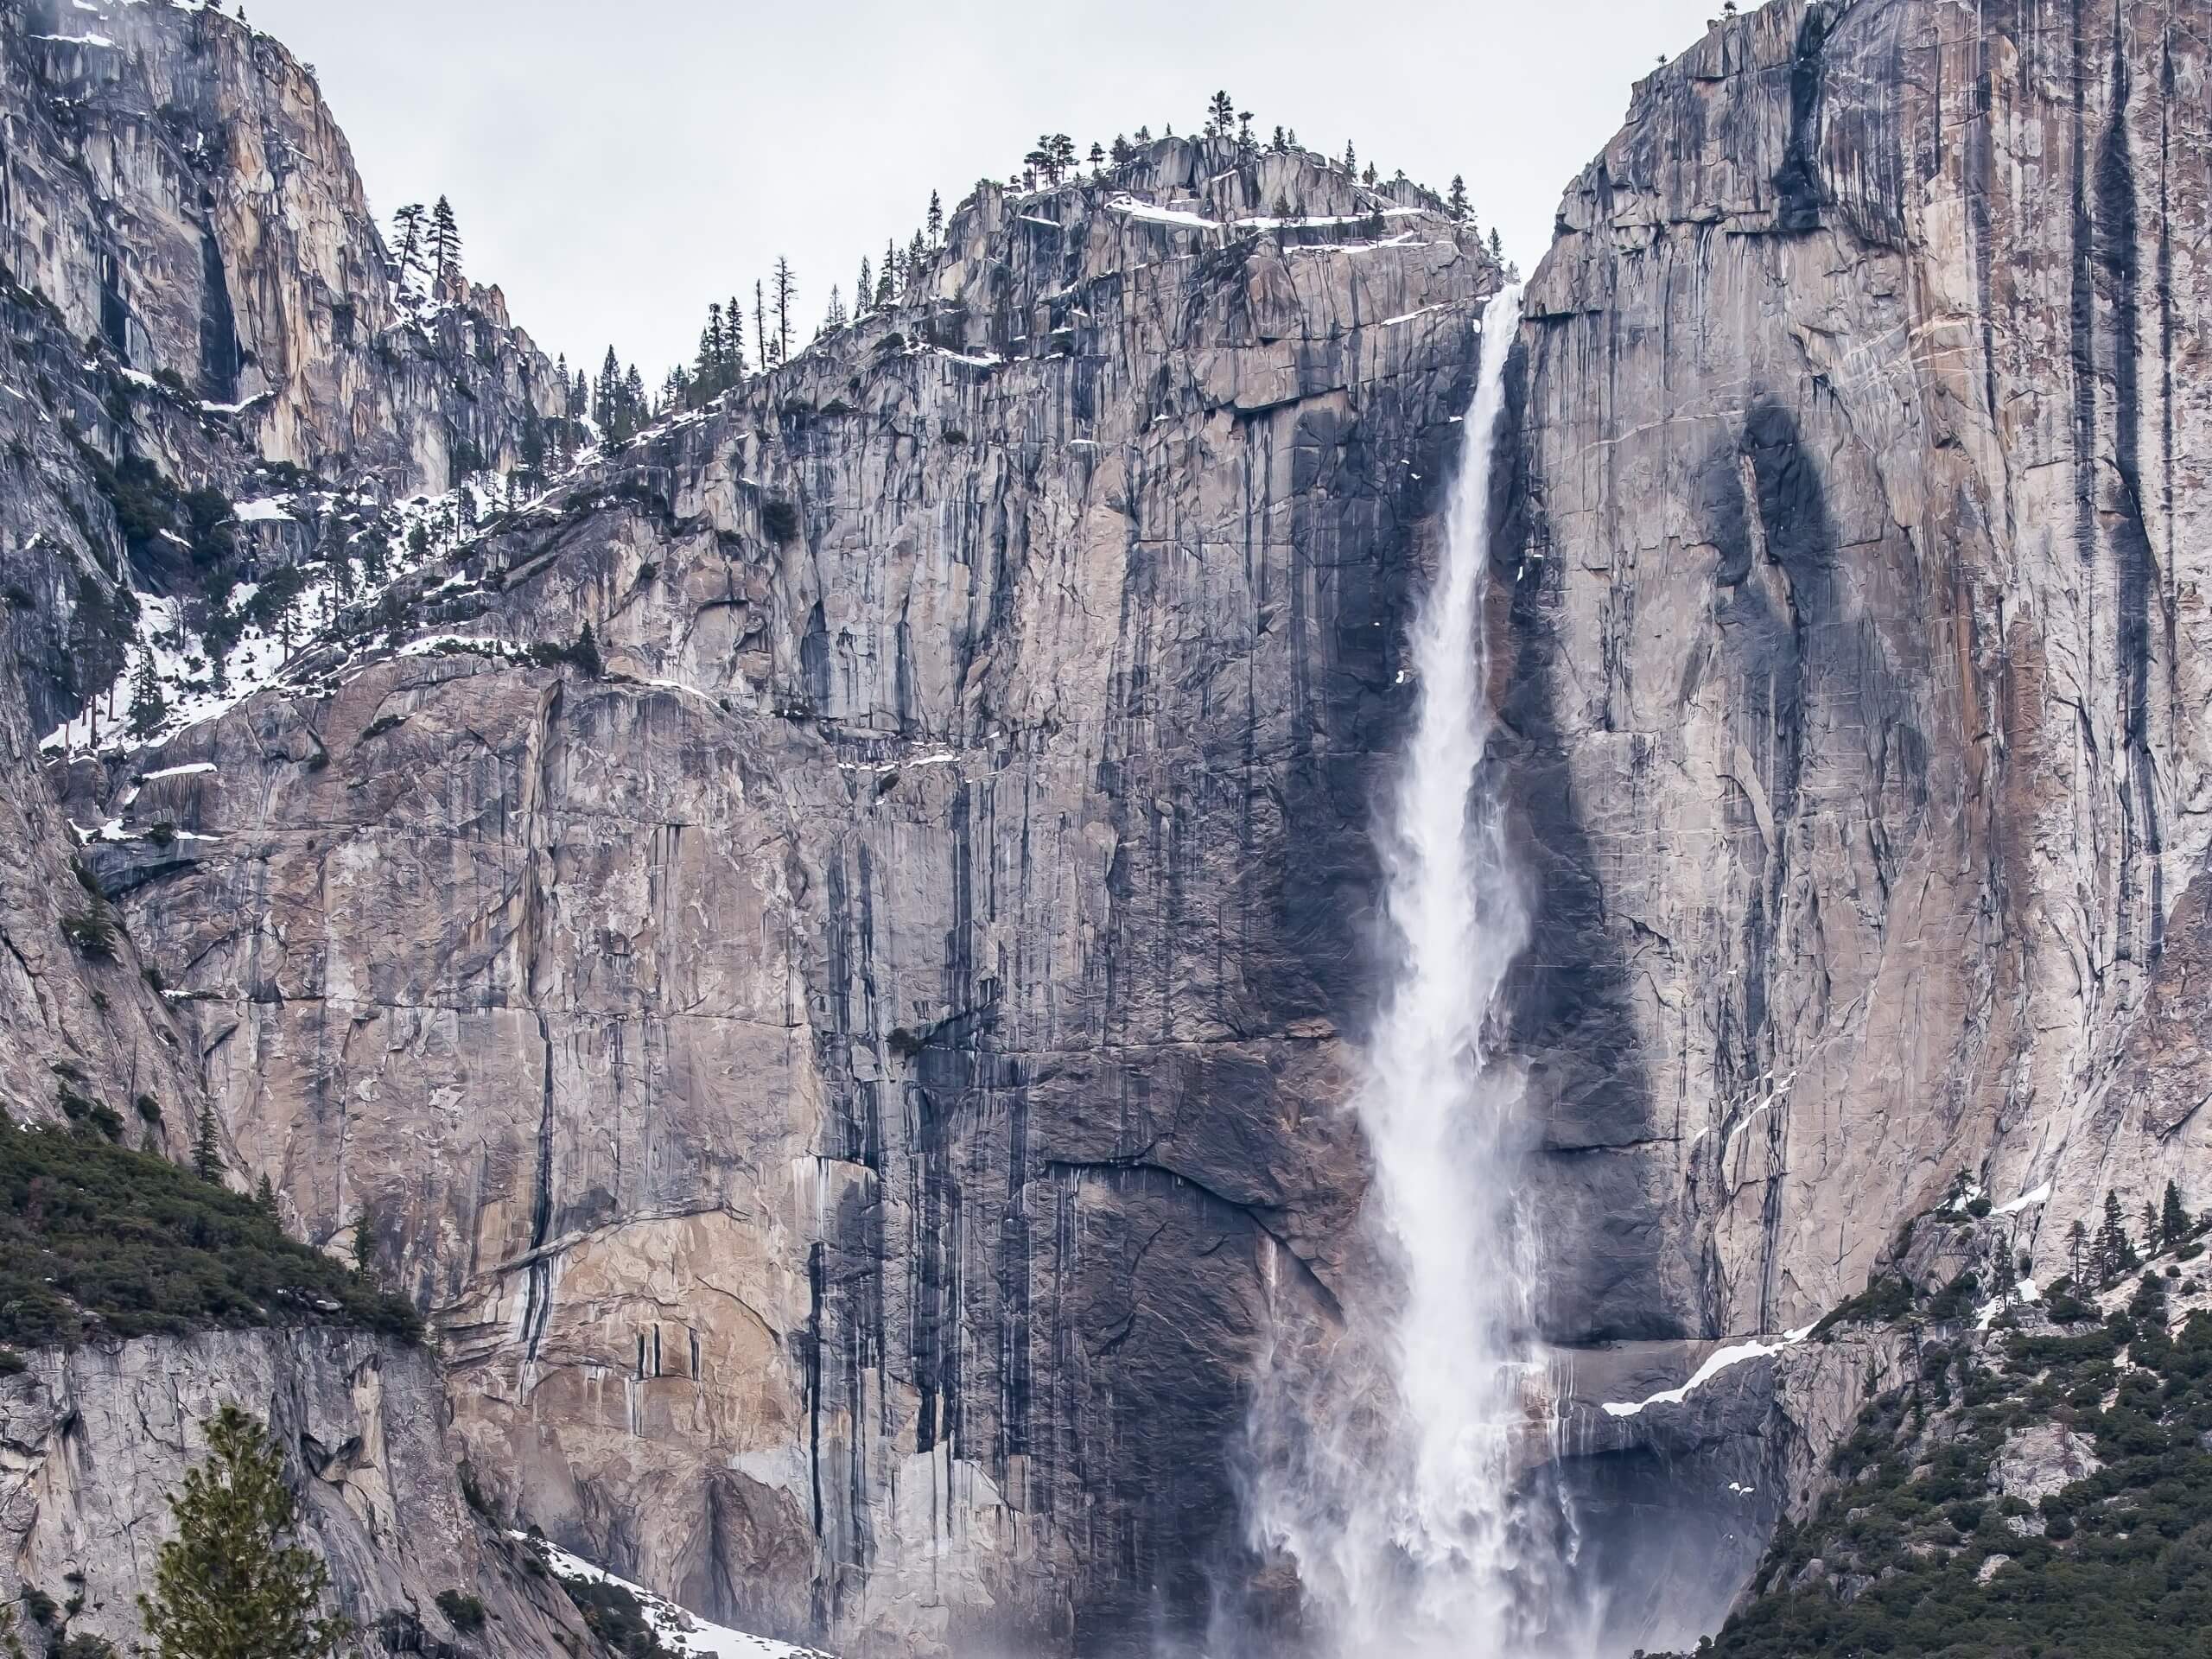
229, 1585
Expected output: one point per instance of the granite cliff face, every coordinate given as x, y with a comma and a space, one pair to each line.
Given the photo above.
1861, 637
1861, 649
853, 1075
848, 1081
193, 289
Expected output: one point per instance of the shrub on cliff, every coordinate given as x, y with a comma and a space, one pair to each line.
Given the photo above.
97, 1238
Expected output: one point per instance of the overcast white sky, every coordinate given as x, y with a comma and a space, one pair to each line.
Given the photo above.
615, 164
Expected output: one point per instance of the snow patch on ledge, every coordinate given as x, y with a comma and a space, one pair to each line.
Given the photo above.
1131, 207
679, 1631
2023, 1291
1717, 1361
2040, 1195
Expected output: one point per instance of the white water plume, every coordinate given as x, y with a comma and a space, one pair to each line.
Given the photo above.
1398, 1459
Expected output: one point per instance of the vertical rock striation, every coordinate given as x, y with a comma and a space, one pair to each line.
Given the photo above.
1860, 656
1859, 642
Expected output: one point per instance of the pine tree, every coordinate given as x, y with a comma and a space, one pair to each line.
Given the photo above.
445, 241
1221, 116
786, 287
1351, 159
935, 221
407, 228
264, 1197
364, 1243
734, 320
864, 289
149, 708
1144, 136
633, 398
2115, 1251
1246, 147
887, 279
918, 259
229, 1585
607, 396
1279, 143
2173, 1219
1371, 177
2077, 1245
2006, 1273
1121, 150
1497, 247
206, 1153
707, 367
1097, 158
1456, 203
760, 340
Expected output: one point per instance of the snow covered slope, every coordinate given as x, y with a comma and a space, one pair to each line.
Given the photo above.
680, 1631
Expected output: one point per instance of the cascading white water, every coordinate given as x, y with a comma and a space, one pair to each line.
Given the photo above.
1390, 1457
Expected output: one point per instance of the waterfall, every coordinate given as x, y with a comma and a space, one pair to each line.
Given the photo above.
1395, 1455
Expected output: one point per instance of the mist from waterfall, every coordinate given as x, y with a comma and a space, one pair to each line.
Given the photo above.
1394, 1456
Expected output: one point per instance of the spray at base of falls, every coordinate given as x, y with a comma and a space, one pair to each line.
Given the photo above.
1394, 1464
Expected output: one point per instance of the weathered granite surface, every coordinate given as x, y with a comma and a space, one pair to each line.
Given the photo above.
93, 1444
1860, 647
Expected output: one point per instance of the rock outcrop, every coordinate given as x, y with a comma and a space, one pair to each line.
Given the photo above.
97, 1441
175, 186
194, 298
